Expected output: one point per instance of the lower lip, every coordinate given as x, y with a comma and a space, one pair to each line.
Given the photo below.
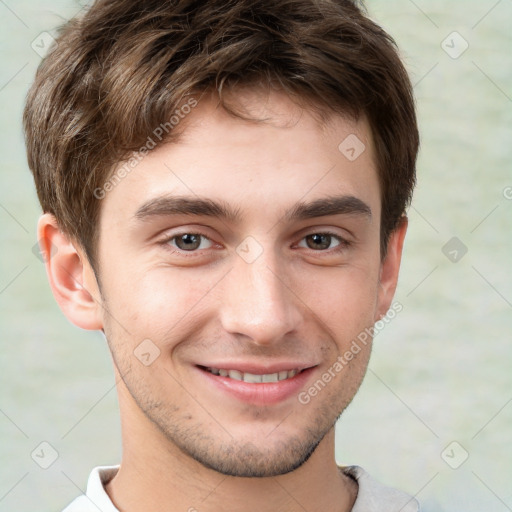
259, 394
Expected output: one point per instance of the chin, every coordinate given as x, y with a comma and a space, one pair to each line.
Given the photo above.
249, 461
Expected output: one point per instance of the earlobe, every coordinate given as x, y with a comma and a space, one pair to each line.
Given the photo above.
390, 268
70, 275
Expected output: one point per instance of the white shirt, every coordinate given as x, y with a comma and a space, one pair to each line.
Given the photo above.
371, 497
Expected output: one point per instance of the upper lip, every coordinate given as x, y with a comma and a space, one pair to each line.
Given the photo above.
258, 368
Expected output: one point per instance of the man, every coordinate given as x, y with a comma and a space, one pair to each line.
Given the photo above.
224, 187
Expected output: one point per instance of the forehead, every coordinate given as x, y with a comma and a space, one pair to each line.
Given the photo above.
259, 166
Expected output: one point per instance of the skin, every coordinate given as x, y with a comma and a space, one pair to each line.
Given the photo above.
186, 444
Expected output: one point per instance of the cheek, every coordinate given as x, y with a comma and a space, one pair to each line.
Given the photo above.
344, 299
156, 303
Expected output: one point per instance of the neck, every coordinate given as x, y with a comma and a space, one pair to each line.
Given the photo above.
156, 475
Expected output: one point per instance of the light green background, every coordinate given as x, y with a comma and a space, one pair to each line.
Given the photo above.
440, 372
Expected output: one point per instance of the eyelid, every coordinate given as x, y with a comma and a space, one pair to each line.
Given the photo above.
192, 229
167, 238
343, 242
342, 232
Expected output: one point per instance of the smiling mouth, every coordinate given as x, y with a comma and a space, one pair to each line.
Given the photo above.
251, 377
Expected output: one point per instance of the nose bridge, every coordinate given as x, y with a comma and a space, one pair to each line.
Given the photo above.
257, 302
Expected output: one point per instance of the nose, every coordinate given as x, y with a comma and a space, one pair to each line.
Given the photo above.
258, 302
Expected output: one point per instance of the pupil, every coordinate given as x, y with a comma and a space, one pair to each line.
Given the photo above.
188, 242
321, 241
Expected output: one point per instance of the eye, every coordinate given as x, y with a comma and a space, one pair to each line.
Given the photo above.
323, 241
189, 242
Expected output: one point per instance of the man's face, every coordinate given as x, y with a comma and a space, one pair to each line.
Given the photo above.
262, 293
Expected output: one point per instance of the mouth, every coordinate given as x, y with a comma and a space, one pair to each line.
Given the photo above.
259, 386
253, 378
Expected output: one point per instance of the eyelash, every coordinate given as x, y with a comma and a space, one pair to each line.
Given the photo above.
343, 243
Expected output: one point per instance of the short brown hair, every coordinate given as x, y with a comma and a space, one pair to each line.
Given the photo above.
125, 66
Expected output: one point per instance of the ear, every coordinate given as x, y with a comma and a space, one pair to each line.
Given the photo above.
70, 275
389, 269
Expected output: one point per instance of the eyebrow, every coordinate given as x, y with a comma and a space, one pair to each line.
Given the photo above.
191, 205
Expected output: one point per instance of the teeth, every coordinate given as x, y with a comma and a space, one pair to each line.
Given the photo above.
235, 374
252, 378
